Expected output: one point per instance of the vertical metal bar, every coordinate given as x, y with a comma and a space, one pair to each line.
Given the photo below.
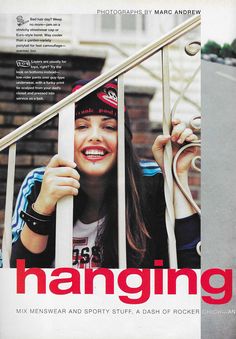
121, 176
64, 213
7, 236
168, 177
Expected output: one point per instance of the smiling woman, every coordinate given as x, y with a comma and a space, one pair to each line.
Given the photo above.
92, 180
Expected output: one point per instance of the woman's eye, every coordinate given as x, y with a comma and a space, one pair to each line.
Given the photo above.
81, 127
110, 127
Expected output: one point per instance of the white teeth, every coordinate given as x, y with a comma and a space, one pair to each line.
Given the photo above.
94, 152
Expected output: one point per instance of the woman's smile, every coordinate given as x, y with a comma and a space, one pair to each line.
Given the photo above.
95, 153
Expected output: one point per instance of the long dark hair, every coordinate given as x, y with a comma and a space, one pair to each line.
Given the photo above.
136, 231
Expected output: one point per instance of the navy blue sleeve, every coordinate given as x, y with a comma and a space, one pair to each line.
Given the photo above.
44, 259
28, 193
187, 230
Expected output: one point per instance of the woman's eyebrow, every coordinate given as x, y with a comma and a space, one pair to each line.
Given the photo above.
107, 118
84, 118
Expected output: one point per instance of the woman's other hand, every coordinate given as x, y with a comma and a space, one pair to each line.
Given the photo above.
179, 135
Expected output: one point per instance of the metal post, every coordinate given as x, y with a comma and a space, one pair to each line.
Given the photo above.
64, 213
7, 236
168, 177
121, 176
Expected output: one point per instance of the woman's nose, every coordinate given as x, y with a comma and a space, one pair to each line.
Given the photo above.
95, 134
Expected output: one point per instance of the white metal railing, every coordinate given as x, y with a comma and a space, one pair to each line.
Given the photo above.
146, 69
64, 233
65, 108
7, 239
169, 183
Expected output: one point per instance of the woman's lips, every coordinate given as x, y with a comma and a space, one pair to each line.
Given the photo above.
94, 153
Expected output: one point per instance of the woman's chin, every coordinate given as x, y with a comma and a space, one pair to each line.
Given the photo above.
94, 169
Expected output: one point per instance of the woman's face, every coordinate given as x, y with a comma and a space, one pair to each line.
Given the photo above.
95, 144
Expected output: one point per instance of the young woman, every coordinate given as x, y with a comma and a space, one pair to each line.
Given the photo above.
92, 180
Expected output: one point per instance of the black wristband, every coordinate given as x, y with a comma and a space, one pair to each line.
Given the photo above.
38, 223
31, 210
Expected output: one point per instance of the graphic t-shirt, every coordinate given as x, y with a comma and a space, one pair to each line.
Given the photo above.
85, 253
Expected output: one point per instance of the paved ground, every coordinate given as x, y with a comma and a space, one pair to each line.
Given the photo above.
219, 188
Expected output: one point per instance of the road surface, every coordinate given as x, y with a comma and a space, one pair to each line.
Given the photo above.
219, 189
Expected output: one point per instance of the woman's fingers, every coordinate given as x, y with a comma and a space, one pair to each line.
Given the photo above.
63, 172
66, 190
181, 133
158, 147
62, 168
57, 189
178, 129
64, 181
192, 137
176, 122
160, 142
187, 132
57, 161
60, 179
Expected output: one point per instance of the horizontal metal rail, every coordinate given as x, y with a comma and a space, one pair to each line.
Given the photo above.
147, 70
122, 68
